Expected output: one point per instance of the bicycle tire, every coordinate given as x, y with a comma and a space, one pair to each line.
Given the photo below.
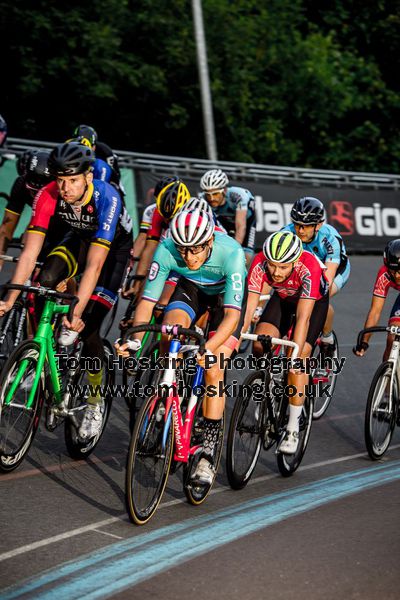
289, 463
196, 494
142, 377
14, 331
321, 403
13, 448
377, 392
247, 418
143, 490
75, 447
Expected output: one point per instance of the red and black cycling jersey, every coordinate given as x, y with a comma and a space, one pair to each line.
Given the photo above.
383, 283
102, 218
307, 279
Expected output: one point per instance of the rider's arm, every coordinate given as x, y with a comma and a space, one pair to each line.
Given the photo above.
252, 303
139, 244
27, 260
224, 330
373, 316
145, 260
303, 314
240, 225
7, 228
330, 273
95, 260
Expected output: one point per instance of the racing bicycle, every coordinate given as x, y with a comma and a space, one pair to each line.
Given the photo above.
260, 416
382, 410
169, 430
32, 376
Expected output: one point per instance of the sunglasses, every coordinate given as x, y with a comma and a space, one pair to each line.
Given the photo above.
184, 250
214, 193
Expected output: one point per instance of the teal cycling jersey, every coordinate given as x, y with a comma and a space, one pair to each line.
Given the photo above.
327, 244
224, 272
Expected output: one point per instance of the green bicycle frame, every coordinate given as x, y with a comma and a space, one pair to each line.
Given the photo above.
44, 337
146, 337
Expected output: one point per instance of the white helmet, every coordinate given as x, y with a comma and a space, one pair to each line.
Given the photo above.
214, 180
192, 227
200, 204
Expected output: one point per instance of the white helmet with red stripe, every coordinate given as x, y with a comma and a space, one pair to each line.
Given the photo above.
192, 227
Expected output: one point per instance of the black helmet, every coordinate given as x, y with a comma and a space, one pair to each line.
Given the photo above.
3, 131
87, 132
162, 183
307, 211
37, 173
22, 162
70, 159
391, 255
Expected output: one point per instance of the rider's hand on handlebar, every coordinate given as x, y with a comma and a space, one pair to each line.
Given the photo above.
75, 325
360, 349
127, 347
5, 307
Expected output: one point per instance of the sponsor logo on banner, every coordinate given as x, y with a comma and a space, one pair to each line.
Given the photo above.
341, 217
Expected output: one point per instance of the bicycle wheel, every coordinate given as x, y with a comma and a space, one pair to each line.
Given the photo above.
18, 423
138, 380
197, 493
325, 380
245, 434
149, 460
288, 463
13, 330
380, 414
78, 395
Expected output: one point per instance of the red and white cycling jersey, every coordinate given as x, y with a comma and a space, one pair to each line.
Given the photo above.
383, 283
307, 279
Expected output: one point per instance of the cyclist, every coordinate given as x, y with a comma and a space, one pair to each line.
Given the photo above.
324, 241
171, 194
33, 175
233, 207
300, 298
388, 277
97, 245
106, 166
212, 273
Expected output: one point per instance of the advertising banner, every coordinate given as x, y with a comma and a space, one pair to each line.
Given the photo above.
366, 218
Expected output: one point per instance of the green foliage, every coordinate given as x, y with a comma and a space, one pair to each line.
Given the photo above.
297, 82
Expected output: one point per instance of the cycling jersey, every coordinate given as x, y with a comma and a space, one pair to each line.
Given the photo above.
102, 218
147, 217
223, 272
327, 244
102, 170
20, 195
307, 279
383, 283
237, 198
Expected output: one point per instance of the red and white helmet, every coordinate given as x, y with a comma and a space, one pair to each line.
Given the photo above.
192, 227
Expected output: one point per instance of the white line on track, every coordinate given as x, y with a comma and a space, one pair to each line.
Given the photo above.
123, 517
117, 537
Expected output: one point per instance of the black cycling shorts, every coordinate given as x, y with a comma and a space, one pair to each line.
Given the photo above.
282, 314
190, 298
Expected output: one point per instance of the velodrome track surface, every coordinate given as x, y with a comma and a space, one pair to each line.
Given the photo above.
330, 531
